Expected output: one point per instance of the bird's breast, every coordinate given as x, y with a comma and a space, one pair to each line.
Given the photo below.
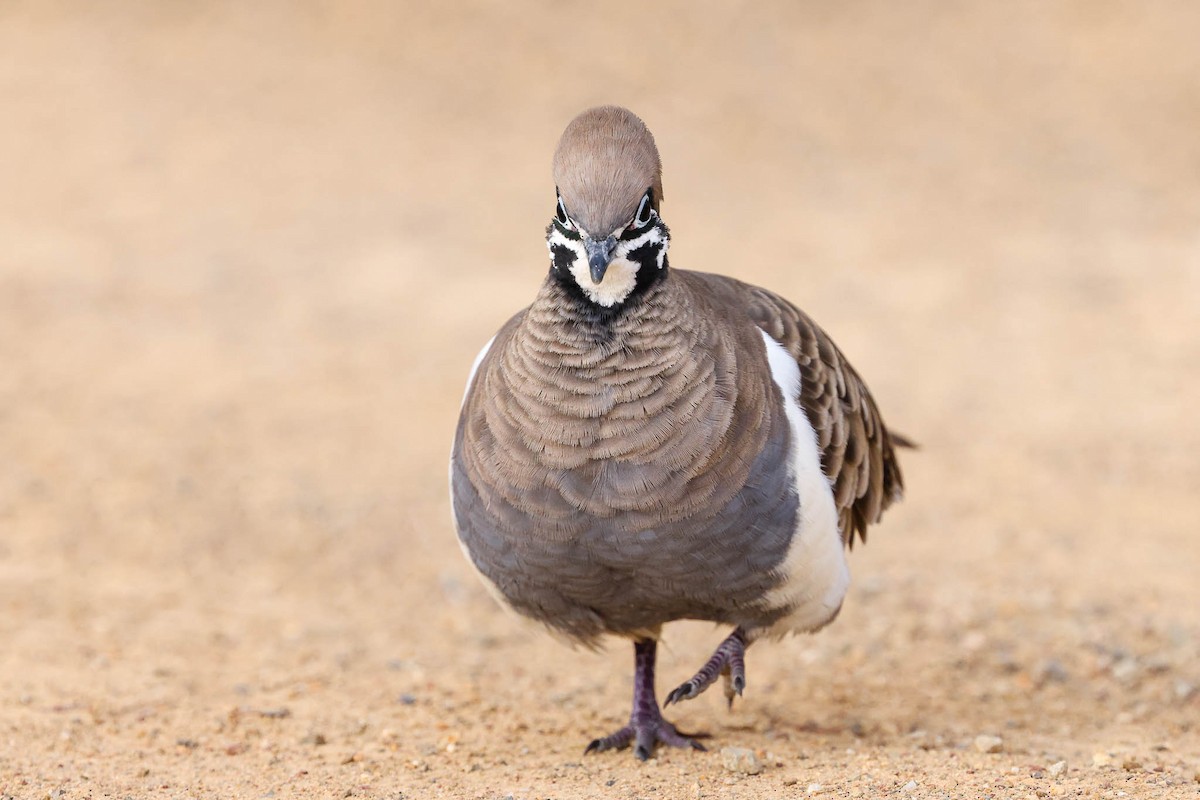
649, 432
640, 482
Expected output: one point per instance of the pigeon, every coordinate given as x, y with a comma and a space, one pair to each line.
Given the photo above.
644, 444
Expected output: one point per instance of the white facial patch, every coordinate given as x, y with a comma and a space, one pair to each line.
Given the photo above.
621, 276
619, 280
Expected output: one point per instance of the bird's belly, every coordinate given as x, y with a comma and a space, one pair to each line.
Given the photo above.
731, 523
629, 570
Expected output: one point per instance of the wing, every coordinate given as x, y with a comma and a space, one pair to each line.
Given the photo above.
857, 450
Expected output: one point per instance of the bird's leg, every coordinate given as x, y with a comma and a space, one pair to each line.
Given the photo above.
728, 661
646, 725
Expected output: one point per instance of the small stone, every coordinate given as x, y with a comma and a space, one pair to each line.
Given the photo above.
1057, 769
989, 744
973, 641
1101, 759
1049, 671
1184, 690
814, 788
741, 760
1157, 664
911, 786
407, 699
1125, 670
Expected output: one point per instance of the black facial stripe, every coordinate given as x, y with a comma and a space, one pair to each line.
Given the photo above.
648, 274
600, 318
563, 257
646, 257
632, 232
590, 313
564, 230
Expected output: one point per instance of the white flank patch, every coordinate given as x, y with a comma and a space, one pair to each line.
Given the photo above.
475, 368
815, 572
493, 590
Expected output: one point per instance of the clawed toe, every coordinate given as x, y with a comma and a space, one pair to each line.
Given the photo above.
646, 735
614, 741
727, 661
646, 727
670, 736
734, 685
685, 691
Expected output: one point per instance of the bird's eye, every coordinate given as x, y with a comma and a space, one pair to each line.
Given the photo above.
560, 213
645, 211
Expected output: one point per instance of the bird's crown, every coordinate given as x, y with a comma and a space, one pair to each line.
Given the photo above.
605, 162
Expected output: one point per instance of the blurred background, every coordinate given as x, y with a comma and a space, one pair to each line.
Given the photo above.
249, 251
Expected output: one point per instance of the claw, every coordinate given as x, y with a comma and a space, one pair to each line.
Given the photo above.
614, 741
727, 661
647, 733
646, 727
685, 691
734, 685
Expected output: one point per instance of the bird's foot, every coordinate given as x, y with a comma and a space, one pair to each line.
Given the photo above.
646, 727
728, 661
645, 734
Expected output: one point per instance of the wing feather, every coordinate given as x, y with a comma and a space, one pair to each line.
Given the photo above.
857, 450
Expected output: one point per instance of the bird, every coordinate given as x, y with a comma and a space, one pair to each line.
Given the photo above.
644, 444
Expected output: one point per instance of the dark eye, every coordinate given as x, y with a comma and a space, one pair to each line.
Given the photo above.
645, 211
560, 213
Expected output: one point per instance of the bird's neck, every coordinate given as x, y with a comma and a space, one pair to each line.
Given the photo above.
574, 303
564, 304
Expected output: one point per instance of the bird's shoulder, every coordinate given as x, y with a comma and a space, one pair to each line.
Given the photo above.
488, 354
857, 450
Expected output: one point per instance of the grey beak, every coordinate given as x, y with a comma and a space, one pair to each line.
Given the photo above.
599, 254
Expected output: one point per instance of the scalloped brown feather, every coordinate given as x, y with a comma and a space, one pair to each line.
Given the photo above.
857, 450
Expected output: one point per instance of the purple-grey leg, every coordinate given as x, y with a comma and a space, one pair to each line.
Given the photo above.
727, 660
646, 725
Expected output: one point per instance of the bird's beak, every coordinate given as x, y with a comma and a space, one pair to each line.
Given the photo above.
599, 255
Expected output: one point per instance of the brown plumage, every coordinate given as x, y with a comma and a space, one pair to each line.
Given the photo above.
644, 444
857, 450
604, 162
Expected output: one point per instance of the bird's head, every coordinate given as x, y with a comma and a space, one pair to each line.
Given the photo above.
606, 240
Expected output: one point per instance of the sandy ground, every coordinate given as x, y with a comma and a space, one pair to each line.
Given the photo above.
249, 251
